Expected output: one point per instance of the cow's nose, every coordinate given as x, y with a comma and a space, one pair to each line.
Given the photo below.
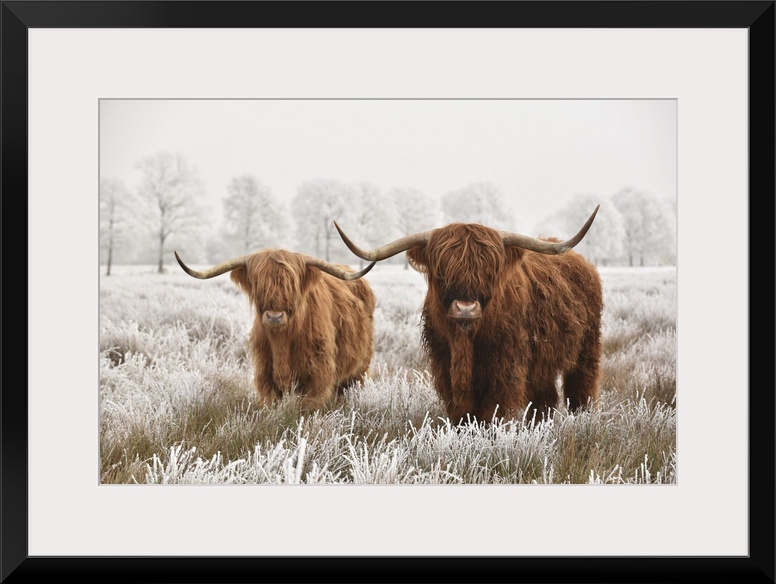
273, 317
465, 309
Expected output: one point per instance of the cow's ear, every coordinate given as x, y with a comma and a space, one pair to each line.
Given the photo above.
240, 277
416, 256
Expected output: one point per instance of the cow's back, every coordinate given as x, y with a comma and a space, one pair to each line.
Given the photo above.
353, 304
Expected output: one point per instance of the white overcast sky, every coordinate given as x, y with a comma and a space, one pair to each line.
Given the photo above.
539, 153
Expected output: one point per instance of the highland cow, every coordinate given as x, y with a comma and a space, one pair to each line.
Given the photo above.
313, 328
505, 316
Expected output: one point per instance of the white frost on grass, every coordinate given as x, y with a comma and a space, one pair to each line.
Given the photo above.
176, 383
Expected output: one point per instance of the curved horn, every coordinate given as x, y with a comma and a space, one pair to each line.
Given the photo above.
548, 247
389, 250
334, 270
221, 268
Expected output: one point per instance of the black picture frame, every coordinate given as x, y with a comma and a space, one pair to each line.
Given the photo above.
756, 16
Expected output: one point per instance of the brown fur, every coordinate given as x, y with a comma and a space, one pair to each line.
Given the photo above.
541, 318
326, 343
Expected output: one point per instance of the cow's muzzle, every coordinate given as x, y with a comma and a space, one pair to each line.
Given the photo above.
274, 319
465, 309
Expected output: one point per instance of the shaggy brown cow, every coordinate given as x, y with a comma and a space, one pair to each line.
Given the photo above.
505, 315
313, 329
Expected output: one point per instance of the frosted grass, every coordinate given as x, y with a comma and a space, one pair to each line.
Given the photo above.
177, 402
433, 453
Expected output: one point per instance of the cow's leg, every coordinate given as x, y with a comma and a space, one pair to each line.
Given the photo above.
580, 384
343, 385
502, 391
542, 393
457, 384
266, 389
318, 399
460, 406
492, 406
320, 387
349, 382
356, 378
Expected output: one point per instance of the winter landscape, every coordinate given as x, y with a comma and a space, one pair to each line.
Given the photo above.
177, 402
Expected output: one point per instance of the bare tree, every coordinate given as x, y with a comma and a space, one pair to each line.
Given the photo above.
173, 196
604, 242
371, 216
116, 219
480, 202
415, 212
650, 226
253, 218
317, 204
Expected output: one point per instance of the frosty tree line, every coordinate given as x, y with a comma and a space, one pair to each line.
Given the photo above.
166, 210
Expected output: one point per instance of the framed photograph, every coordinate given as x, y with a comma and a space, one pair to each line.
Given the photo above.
687, 88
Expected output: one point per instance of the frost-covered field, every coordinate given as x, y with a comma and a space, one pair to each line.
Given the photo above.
177, 402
